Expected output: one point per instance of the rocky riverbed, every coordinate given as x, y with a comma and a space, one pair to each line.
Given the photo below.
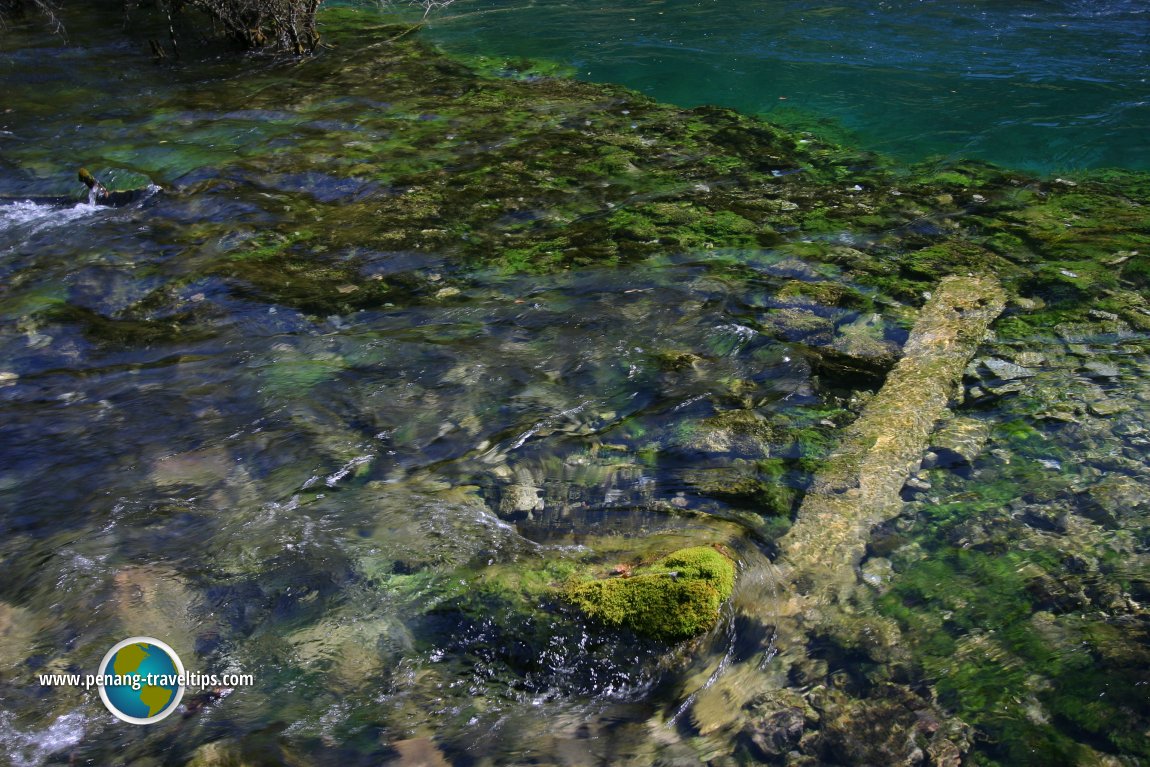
409, 351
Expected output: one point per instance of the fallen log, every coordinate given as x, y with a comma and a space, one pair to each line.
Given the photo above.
858, 486
810, 590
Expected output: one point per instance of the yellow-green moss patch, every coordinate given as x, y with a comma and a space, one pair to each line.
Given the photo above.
673, 598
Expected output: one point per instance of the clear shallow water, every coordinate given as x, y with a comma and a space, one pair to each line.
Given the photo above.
299, 494
1046, 86
294, 496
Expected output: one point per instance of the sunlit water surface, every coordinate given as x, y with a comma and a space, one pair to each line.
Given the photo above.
1046, 86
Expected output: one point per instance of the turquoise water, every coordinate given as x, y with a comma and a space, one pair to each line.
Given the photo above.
1044, 86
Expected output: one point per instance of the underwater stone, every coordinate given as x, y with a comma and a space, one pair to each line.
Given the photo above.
943, 753
865, 339
519, 499
873, 731
959, 442
1013, 387
1107, 407
418, 752
821, 293
1007, 371
350, 649
673, 598
741, 431
1030, 358
877, 572
1114, 498
1099, 369
799, 325
917, 484
151, 600
17, 630
1088, 332
776, 734
740, 480
218, 753
1052, 518
200, 468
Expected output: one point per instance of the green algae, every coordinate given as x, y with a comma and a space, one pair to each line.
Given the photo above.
1016, 597
999, 660
43, 298
293, 375
124, 331
507, 165
673, 598
826, 293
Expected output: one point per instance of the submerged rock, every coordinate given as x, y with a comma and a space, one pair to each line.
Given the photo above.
518, 500
801, 325
959, 442
673, 598
219, 753
865, 339
872, 731
743, 433
155, 601
1115, 498
778, 723
203, 468
350, 649
18, 627
1100, 369
418, 752
1104, 408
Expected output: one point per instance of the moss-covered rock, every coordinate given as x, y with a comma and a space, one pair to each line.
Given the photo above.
824, 293
673, 598
736, 432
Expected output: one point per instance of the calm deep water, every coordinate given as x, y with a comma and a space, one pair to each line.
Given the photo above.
1045, 86
352, 498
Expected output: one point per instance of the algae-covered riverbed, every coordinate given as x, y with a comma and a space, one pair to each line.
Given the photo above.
469, 409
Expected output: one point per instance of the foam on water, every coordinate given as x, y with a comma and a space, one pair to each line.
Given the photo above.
32, 748
27, 217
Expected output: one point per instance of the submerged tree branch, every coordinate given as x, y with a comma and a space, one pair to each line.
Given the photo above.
859, 486
813, 588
